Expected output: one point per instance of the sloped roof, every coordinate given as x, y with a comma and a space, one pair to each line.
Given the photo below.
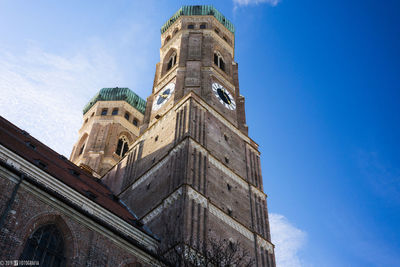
199, 11
58, 166
115, 94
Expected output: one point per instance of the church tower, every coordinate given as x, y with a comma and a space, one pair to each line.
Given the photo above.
193, 174
111, 122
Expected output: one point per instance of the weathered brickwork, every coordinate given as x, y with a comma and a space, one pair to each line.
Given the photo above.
83, 245
194, 165
99, 135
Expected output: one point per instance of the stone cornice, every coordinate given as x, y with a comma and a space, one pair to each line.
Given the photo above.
69, 211
265, 244
258, 192
155, 167
215, 113
164, 204
225, 169
76, 198
213, 209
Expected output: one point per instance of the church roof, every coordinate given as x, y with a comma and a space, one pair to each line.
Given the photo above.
199, 11
59, 167
115, 94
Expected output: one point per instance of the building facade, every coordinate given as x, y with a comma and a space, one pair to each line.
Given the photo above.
54, 213
111, 123
194, 164
145, 177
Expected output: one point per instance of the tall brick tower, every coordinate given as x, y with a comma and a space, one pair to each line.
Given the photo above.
111, 122
194, 173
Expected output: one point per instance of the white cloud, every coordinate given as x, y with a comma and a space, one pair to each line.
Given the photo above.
256, 2
288, 241
44, 93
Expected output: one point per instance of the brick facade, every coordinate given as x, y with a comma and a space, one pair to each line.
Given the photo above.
192, 174
194, 164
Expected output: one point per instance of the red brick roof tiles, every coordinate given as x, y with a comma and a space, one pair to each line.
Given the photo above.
37, 153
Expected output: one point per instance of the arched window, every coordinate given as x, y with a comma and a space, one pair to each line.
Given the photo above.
81, 150
203, 26
122, 146
190, 26
171, 61
81, 145
45, 245
218, 60
167, 39
175, 31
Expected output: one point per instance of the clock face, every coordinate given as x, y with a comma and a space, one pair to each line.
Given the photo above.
224, 96
163, 96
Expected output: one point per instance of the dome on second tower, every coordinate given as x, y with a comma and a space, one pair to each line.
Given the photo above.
115, 94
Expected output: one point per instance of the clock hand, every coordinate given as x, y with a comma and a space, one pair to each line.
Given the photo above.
227, 97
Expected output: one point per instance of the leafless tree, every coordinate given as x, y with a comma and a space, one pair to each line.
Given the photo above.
213, 253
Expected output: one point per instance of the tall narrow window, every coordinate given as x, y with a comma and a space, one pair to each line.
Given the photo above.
167, 39
45, 245
81, 150
127, 115
219, 61
135, 122
122, 146
115, 111
171, 61
104, 112
216, 59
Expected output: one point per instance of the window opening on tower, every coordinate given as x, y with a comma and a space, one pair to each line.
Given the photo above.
115, 111
81, 150
203, 26
127, 115
171, 61
104, 112
122, 146
219, 61
190, 26
167, 39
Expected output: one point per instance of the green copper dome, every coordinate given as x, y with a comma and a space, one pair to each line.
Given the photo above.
115, 94
199, 11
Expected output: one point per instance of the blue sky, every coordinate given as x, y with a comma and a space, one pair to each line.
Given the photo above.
322, 87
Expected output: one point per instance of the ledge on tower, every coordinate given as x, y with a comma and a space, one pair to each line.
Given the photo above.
199, 11
115, 94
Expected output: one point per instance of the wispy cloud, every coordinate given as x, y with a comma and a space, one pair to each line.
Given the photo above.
44, 92
288, 241
256, 2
